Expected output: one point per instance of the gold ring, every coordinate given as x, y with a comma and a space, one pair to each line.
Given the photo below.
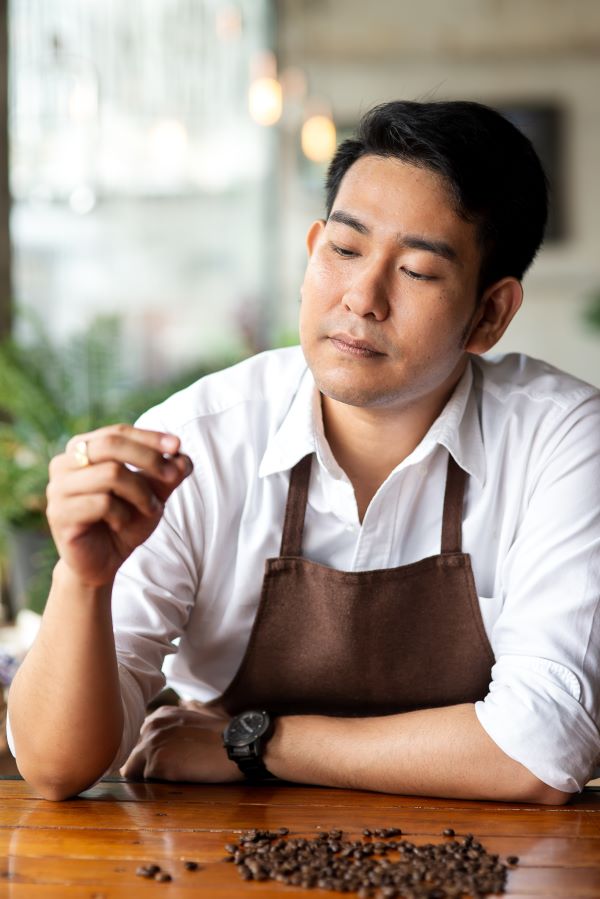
80, 453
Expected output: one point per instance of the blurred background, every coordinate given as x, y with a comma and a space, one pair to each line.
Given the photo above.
161, 160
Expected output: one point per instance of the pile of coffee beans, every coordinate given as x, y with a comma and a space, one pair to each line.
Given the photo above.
380, 866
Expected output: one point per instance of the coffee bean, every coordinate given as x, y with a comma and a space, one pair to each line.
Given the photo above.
193, 866
513, 860
143, 871
446, 870
147, 870
448, 832
162, 877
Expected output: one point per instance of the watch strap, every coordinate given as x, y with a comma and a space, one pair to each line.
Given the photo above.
253, 769
248, 758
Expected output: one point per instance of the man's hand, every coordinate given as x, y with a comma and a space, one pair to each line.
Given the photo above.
180, 744
105, 502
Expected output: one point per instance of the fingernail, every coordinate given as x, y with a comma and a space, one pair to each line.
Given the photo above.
189, 465
169, 443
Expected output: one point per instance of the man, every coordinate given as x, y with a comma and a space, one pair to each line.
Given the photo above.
427, 620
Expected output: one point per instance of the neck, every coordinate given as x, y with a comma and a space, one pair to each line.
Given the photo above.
368, 443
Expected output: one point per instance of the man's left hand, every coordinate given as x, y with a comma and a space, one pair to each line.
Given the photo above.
181, 744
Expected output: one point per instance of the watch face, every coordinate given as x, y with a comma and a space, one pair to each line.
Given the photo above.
246, 728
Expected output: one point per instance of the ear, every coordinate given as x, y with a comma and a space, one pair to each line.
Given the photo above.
314, 232
495, 311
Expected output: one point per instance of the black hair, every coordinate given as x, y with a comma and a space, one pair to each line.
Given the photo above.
492, 170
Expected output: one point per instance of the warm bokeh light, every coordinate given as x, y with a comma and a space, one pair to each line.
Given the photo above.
318, 138
265, 101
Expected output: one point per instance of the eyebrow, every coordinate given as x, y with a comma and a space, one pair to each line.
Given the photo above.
344, 218
410, 241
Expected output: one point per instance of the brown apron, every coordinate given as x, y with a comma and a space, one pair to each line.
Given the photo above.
361, 643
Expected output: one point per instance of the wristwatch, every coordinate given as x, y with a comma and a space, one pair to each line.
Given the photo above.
244, 739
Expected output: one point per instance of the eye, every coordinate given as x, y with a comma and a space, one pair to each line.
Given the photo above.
341, 251
417, 276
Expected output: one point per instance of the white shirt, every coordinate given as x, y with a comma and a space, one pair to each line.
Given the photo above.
529, 437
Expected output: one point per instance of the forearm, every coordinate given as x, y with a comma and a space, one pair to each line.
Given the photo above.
435, 752
65, 703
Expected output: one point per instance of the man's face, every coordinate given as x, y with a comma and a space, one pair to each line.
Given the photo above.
390, 292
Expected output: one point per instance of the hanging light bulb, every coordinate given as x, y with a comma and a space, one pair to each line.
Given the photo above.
318, 138
265, 97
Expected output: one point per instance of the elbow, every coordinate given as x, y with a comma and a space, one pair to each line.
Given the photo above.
62, 774
58, 792
542, 794
537, 792
56, 786
62, 778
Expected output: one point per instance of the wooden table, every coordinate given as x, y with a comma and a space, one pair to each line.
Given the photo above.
91, 846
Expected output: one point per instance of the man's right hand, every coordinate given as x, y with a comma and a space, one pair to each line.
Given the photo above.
101, 511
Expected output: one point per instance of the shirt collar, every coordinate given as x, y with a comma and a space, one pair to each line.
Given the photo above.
295, 437
457, 428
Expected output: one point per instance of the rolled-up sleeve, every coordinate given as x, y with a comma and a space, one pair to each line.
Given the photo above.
533, 712
543, 707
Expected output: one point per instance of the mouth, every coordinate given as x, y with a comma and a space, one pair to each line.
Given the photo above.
354, 346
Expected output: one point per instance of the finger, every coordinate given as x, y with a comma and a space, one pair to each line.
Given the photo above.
134, 766
168, 470
161, 440
170, 716
160, 718
80, 512
109, 477
142, 761
150, 451
163, 489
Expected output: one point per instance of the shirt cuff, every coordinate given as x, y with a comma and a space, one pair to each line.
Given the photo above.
533, 714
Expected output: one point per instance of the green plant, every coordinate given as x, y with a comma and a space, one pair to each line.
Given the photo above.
47, 394
591, 314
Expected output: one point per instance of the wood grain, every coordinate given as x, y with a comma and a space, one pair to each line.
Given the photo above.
91, 846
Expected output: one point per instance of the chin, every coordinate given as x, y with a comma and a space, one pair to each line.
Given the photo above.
355, 394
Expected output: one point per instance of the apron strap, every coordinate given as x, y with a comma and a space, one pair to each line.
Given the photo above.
295, 510
453, 507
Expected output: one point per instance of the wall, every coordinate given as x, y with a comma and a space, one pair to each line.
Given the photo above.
495, 51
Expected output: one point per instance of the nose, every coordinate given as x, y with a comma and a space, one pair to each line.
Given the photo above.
366, 295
